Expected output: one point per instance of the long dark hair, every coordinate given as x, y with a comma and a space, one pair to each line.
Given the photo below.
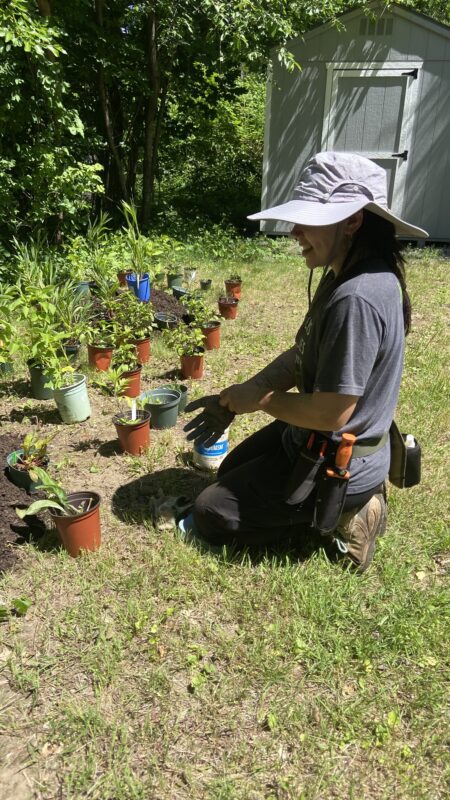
376, 239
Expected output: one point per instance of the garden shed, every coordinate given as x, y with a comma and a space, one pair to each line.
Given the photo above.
380, 86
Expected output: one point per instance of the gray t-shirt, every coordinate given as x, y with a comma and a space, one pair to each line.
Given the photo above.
352, 342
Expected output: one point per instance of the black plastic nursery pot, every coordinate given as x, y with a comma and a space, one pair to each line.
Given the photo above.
165, 322
163, 406
183, 390
39, 382
21, 477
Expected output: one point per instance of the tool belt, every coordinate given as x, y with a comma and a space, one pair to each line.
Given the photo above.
315, 469
405, 467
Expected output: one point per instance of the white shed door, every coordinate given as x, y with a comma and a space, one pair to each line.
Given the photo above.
369, 109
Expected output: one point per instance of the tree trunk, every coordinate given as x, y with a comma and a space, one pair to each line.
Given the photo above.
106, 114
44, 7
154, 112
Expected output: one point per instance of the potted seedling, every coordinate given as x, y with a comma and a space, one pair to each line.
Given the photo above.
233, 286
32, 454
69, 389
189, 274
165, 322
75, 515
141, 251
126, 363
101, 337
175, 276
139, 319
133, 427
228, 306
188, 341
162, 403
39, 336
205, 284
183, 390
200, 315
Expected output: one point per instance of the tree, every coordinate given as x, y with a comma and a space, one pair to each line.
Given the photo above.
42, 181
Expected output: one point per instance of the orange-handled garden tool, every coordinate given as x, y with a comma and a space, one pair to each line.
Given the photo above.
343, 457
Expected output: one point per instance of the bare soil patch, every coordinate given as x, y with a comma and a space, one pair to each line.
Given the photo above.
14, 531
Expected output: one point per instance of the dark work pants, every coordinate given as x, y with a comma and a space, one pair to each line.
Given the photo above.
246, 504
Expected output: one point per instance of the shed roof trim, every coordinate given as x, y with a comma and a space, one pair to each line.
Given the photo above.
413, 16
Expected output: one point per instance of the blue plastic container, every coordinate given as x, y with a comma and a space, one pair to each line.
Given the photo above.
142, 288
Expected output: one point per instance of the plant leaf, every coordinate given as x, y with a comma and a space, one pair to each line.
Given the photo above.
37, 506
21, 605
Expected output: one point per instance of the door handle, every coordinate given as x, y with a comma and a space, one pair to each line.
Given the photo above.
403, 155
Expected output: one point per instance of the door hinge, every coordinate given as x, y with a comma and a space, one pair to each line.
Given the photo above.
403, 155
412, 72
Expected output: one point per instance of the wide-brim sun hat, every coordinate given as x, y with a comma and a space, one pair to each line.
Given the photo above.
332, 187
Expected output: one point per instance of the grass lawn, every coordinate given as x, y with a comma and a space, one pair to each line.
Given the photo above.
153, 671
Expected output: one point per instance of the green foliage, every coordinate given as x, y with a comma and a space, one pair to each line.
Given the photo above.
124, 356
131, 314
34, 448
43, 180
187, 340
197, 309
56, 496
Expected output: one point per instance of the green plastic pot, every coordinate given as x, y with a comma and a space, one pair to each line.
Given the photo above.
73, 401
21, 477
174, 279
163, 406
183, 390
38, 380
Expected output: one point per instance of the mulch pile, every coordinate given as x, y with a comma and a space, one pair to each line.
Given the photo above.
165, 303
14, 531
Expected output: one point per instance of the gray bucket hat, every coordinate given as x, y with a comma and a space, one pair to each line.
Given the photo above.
333, 186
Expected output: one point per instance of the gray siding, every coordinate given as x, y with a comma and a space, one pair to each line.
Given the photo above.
294, 126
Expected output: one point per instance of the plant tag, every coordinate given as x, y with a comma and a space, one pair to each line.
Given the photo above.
133, 409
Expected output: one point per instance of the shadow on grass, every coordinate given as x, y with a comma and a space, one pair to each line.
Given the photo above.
32, 530
132, 502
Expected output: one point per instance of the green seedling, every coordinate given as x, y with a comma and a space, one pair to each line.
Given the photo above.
56, 497
34, 449
133, 402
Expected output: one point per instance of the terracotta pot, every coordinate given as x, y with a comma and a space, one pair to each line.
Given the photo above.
142, 350
133, 439
100, 357
228, 307
134, 382
79, 531
192, 366
122, 276
211, 332
233, 289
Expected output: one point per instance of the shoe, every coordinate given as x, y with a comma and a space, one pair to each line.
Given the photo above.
166, 510
358, 529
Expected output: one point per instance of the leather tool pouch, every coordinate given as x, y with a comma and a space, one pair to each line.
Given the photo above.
405, 467
303, 477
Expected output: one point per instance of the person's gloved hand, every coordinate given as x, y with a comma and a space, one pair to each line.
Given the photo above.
208, 426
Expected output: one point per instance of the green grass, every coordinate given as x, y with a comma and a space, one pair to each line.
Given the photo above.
152, 670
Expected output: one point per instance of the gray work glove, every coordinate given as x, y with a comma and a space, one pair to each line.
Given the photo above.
208, 426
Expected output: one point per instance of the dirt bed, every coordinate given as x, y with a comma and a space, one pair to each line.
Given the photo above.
14, 531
